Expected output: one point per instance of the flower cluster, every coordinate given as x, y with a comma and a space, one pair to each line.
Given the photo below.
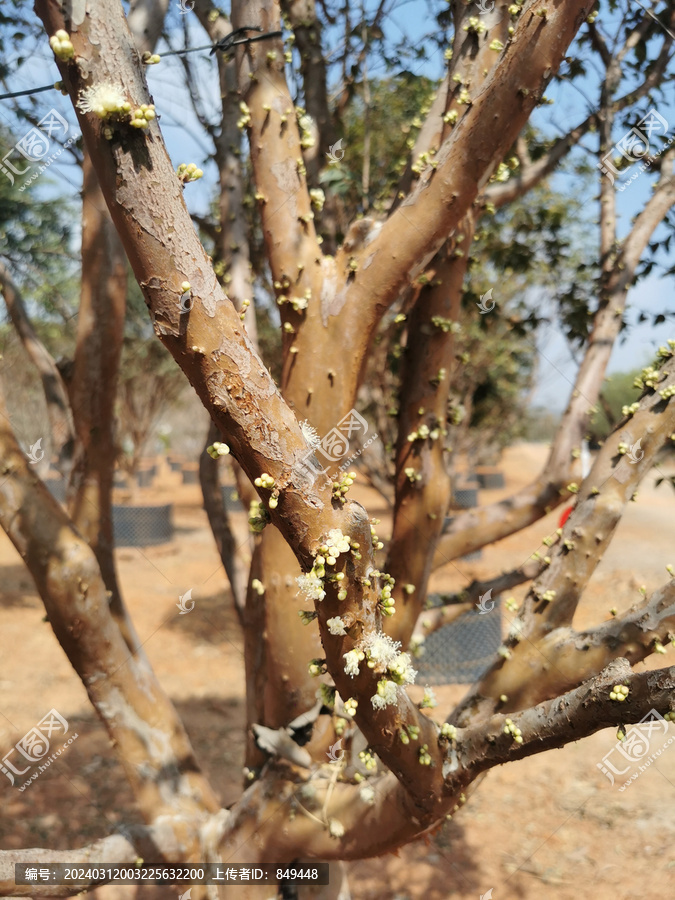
188, 172
341, 487
318, 198
619, 692
104, 101
311, 586
245, 118
336, 626
142, 116
368, 760
352, 659
475, 26
317, 667
350, 706
428, 701
648, 378
258, 516
386, 694
217, 450
448, 731
424, 757
61, 45
408, 733
510, 728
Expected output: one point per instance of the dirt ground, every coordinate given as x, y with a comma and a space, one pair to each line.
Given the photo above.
550, 826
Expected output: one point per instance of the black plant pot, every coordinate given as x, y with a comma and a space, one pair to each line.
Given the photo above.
490, 479
142, 526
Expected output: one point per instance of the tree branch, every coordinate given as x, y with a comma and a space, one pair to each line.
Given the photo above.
149, 738
55, 392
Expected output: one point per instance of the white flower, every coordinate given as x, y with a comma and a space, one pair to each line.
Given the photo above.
103, 100
339, 541
311, 586
380, 648
310, 434
336, 626
367, 794
336, 828
429, 699
386, 694
352, 659
402, 669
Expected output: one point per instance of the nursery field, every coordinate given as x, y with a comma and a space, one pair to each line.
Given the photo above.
549, 826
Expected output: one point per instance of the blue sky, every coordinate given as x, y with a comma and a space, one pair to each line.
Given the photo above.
409, 19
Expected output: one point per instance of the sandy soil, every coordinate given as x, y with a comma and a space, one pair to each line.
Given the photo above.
550, 826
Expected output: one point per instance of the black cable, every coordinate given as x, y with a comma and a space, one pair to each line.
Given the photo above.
225, 44
46, 87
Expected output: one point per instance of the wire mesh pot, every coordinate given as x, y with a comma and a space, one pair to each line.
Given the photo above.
231, 499
142, 526
462, 651
144, 478
465, 497
57, 488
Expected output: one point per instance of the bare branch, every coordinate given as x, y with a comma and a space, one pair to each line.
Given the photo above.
432, 619
219, 521
463, 165
532, 173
